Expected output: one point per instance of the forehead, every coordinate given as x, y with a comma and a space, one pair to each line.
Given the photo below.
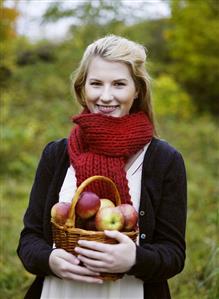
100, 67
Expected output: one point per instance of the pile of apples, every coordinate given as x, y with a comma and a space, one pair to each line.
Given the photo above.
94, 213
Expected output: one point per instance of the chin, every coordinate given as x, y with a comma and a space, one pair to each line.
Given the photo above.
119, 114
113, 114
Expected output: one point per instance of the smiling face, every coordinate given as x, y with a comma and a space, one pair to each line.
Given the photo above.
109, 88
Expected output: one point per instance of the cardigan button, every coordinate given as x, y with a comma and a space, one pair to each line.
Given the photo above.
142, 213
143, 236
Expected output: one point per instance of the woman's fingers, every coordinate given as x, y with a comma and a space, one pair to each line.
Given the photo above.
83, 274
91, 253
115, 234
81, 270
113, 258
93, 245
92, 263
96, 257
61, 253
66, 265
80, 273
59, 259
104, 247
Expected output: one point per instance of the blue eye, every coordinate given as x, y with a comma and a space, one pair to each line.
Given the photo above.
119, 84
95, 83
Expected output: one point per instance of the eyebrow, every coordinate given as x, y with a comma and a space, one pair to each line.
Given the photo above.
120, 79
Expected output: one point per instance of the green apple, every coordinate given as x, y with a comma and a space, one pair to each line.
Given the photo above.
106, 203
110, 218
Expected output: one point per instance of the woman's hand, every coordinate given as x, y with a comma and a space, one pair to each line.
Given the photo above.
66, 265
111, 258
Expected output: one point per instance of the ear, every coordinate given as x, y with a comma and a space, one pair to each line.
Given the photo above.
136, 95
136, 92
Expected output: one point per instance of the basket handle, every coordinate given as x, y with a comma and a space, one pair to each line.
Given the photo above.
70, 222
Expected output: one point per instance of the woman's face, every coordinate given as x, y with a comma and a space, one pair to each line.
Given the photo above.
109, 88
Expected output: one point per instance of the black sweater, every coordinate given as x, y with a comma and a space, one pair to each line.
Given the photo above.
162, 217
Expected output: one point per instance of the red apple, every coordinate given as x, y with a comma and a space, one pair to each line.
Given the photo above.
59, 212
88, 204
109, 219
106, 203
130, 215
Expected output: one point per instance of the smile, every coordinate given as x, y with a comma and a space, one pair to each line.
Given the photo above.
107, 109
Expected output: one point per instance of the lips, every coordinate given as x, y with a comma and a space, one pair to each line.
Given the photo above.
107, 109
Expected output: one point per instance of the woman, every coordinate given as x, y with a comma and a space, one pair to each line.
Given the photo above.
114, 136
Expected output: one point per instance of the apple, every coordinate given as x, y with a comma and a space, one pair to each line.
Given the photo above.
130, 215
110, 218
106, 203
88, 204
60, 211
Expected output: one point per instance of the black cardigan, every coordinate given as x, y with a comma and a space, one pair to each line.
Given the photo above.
162, 217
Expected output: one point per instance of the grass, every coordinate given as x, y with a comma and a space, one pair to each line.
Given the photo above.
200, 278
13, 278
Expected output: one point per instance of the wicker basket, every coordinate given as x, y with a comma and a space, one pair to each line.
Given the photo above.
67, 236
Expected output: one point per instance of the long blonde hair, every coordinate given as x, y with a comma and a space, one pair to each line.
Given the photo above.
119, 49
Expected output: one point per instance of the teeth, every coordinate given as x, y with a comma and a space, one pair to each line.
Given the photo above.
106, 109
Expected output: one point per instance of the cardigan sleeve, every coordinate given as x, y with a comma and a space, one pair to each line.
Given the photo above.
33, 248
164, 257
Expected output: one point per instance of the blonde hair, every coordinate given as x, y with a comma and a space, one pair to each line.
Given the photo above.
119, 49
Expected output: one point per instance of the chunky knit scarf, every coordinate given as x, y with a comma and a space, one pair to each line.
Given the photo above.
101, 145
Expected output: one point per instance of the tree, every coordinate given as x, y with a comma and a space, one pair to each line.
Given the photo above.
194, 44
7, 36
90, 20
88, 12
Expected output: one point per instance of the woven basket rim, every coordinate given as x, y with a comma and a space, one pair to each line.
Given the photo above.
81, 231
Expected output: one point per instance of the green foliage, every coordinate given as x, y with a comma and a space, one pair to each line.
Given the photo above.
88, 12
197, 141
194, 46
151, 34
36, 109
13, 279
7, 35
170, 100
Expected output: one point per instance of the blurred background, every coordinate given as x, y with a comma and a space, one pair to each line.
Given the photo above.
42, 43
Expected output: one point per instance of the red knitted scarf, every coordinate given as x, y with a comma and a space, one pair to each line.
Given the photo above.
101, 145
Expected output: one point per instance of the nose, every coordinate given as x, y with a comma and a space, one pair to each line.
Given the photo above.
106, 95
